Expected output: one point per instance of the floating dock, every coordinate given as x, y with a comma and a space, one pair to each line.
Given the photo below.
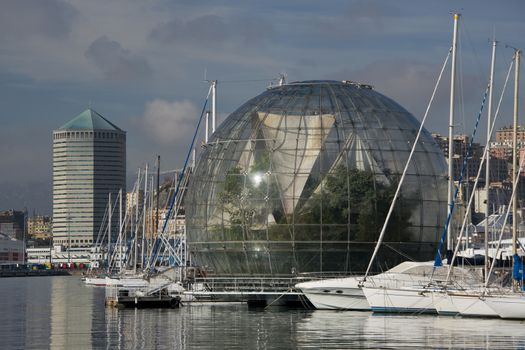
127, 299
254, 290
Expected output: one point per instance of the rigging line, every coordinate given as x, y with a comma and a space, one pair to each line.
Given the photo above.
469, 41
483, 159
404, 255
498, 246
188, 155
247, 80
437, 260
391, 209
497, 111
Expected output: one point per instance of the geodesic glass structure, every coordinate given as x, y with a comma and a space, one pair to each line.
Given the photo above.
299, 179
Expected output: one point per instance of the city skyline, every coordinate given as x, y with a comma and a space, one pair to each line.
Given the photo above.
142, 66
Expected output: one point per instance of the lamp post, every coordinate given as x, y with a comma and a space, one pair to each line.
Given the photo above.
68, 239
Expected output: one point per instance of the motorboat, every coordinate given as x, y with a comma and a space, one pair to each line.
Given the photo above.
347, 294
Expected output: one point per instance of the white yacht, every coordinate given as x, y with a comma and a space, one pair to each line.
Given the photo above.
421, 295
471, 304
116, 281
511, 305
347, 294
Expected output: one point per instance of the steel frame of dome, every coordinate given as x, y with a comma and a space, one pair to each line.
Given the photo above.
273, 159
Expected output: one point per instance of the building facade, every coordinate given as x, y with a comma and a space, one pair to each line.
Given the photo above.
39, 226
12, 223
89, 163
11, 250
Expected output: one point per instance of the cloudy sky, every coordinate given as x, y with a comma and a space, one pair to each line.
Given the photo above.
141, 64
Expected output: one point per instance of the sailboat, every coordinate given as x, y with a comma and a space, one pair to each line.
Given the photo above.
348, 293
511, 304
418, 298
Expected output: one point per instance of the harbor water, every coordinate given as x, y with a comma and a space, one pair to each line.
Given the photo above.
61, 313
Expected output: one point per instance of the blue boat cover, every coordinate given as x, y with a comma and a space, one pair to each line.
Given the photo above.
518, 268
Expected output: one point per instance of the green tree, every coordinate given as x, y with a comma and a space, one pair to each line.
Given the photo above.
354, 197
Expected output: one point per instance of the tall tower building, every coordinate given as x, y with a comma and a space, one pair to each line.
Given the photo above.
89, 162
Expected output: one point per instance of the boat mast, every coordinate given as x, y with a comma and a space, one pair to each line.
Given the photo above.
156, 224
110, 213
135, 243
152, 233
120, 230
213, 105
206, 133
451, 132
515, 151
487, 160
144, 216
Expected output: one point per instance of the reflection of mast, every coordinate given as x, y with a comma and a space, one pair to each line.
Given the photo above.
451, 132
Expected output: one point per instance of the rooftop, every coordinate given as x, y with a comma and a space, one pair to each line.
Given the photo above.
89, 120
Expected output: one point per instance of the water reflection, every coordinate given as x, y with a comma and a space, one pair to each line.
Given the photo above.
61, 313
71, 315
363, 329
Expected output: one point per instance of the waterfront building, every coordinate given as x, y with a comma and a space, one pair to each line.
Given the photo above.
299, 179
89, 163
58, 255
175, 225
460, 145
39, 226
502, 146
12, 223
134, 200
11, 250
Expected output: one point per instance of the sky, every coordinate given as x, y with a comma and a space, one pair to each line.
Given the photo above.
142, 65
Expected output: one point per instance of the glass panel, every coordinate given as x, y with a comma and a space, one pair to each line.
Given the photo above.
314, 164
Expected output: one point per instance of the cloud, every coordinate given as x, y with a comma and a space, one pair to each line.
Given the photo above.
25, 174
21, 19
213, 30
33, 195
169, 122
357, 21
411, 85
117, 63
371, 12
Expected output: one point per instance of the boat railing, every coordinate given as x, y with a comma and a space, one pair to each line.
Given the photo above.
246, 284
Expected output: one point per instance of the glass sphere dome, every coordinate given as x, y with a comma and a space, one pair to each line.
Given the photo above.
299, 179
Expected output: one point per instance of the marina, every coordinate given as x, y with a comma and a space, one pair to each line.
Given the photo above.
80, 320
371, 195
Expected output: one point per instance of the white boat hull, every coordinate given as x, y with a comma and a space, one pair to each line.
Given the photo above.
347, 299
471, 305
346, 293
116, 282
95, 281
335, 294
443, 304
399, 300
507, 306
